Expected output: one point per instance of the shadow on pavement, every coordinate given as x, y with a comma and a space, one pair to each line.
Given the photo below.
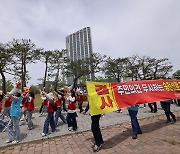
113, 141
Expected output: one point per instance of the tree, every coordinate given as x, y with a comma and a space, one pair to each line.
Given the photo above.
5, 62
133, 67
115, 68
176, 75
25, 53
83, 67
56, 66
46, 57
145, 67
161, 68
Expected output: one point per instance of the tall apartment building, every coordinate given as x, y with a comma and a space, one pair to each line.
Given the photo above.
79, 46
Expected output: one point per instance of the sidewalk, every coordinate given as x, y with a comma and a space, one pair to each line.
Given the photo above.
157, 137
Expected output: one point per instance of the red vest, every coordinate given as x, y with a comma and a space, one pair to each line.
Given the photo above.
45, 102
23, 102
80, 98
30, 104
8, 102
72, 105
59, 102
50, 107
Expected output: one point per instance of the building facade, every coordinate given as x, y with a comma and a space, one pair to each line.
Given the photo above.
79, 46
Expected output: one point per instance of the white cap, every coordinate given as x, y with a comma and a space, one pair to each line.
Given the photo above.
51, 96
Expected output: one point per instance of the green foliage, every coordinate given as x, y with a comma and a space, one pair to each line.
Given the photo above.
115, 68
25, 52
9, 85
176, 75
83, 67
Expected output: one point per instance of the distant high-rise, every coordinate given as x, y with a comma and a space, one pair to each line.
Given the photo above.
79, 46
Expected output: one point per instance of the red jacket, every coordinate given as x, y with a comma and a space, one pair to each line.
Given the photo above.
30, 104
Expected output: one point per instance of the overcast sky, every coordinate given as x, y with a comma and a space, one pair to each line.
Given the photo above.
119, 28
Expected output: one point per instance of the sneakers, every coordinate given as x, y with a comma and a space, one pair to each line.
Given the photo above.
8, 141
96, 148
70, 128
15, 142
43, 134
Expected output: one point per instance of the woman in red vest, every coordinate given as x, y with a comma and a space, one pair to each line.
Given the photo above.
23, 106
7, 105
59, 102
50, 116
80, 99
30, 109
71, 116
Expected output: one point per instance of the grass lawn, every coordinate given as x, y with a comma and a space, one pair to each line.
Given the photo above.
38, 100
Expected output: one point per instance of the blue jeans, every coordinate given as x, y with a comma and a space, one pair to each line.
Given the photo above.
59, 114
49, 120
134, 122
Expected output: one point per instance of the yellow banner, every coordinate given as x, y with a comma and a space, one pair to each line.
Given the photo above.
100, 97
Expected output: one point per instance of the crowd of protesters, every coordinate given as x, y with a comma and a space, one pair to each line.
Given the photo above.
19, 105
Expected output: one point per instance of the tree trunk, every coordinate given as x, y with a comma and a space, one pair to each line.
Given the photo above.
75, 84
23, 72
3, 81
45, 73
56, 80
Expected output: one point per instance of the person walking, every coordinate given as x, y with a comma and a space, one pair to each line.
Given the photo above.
13, 125
58, 101
50, 116
71, 116
133, 111
80, 99
7, 105
96, 131
30, 109
166, 105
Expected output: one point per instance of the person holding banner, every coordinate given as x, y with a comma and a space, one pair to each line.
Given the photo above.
133, 111
95, 128
166, 104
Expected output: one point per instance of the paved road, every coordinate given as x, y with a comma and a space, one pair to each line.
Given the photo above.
116, 129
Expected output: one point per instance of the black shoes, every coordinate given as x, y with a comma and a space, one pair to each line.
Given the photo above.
134, 136
168, 122
96, 148
174, 118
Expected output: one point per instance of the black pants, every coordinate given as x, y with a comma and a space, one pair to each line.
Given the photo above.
151, 107
71, 120
80, 107
96, 130
167, 110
